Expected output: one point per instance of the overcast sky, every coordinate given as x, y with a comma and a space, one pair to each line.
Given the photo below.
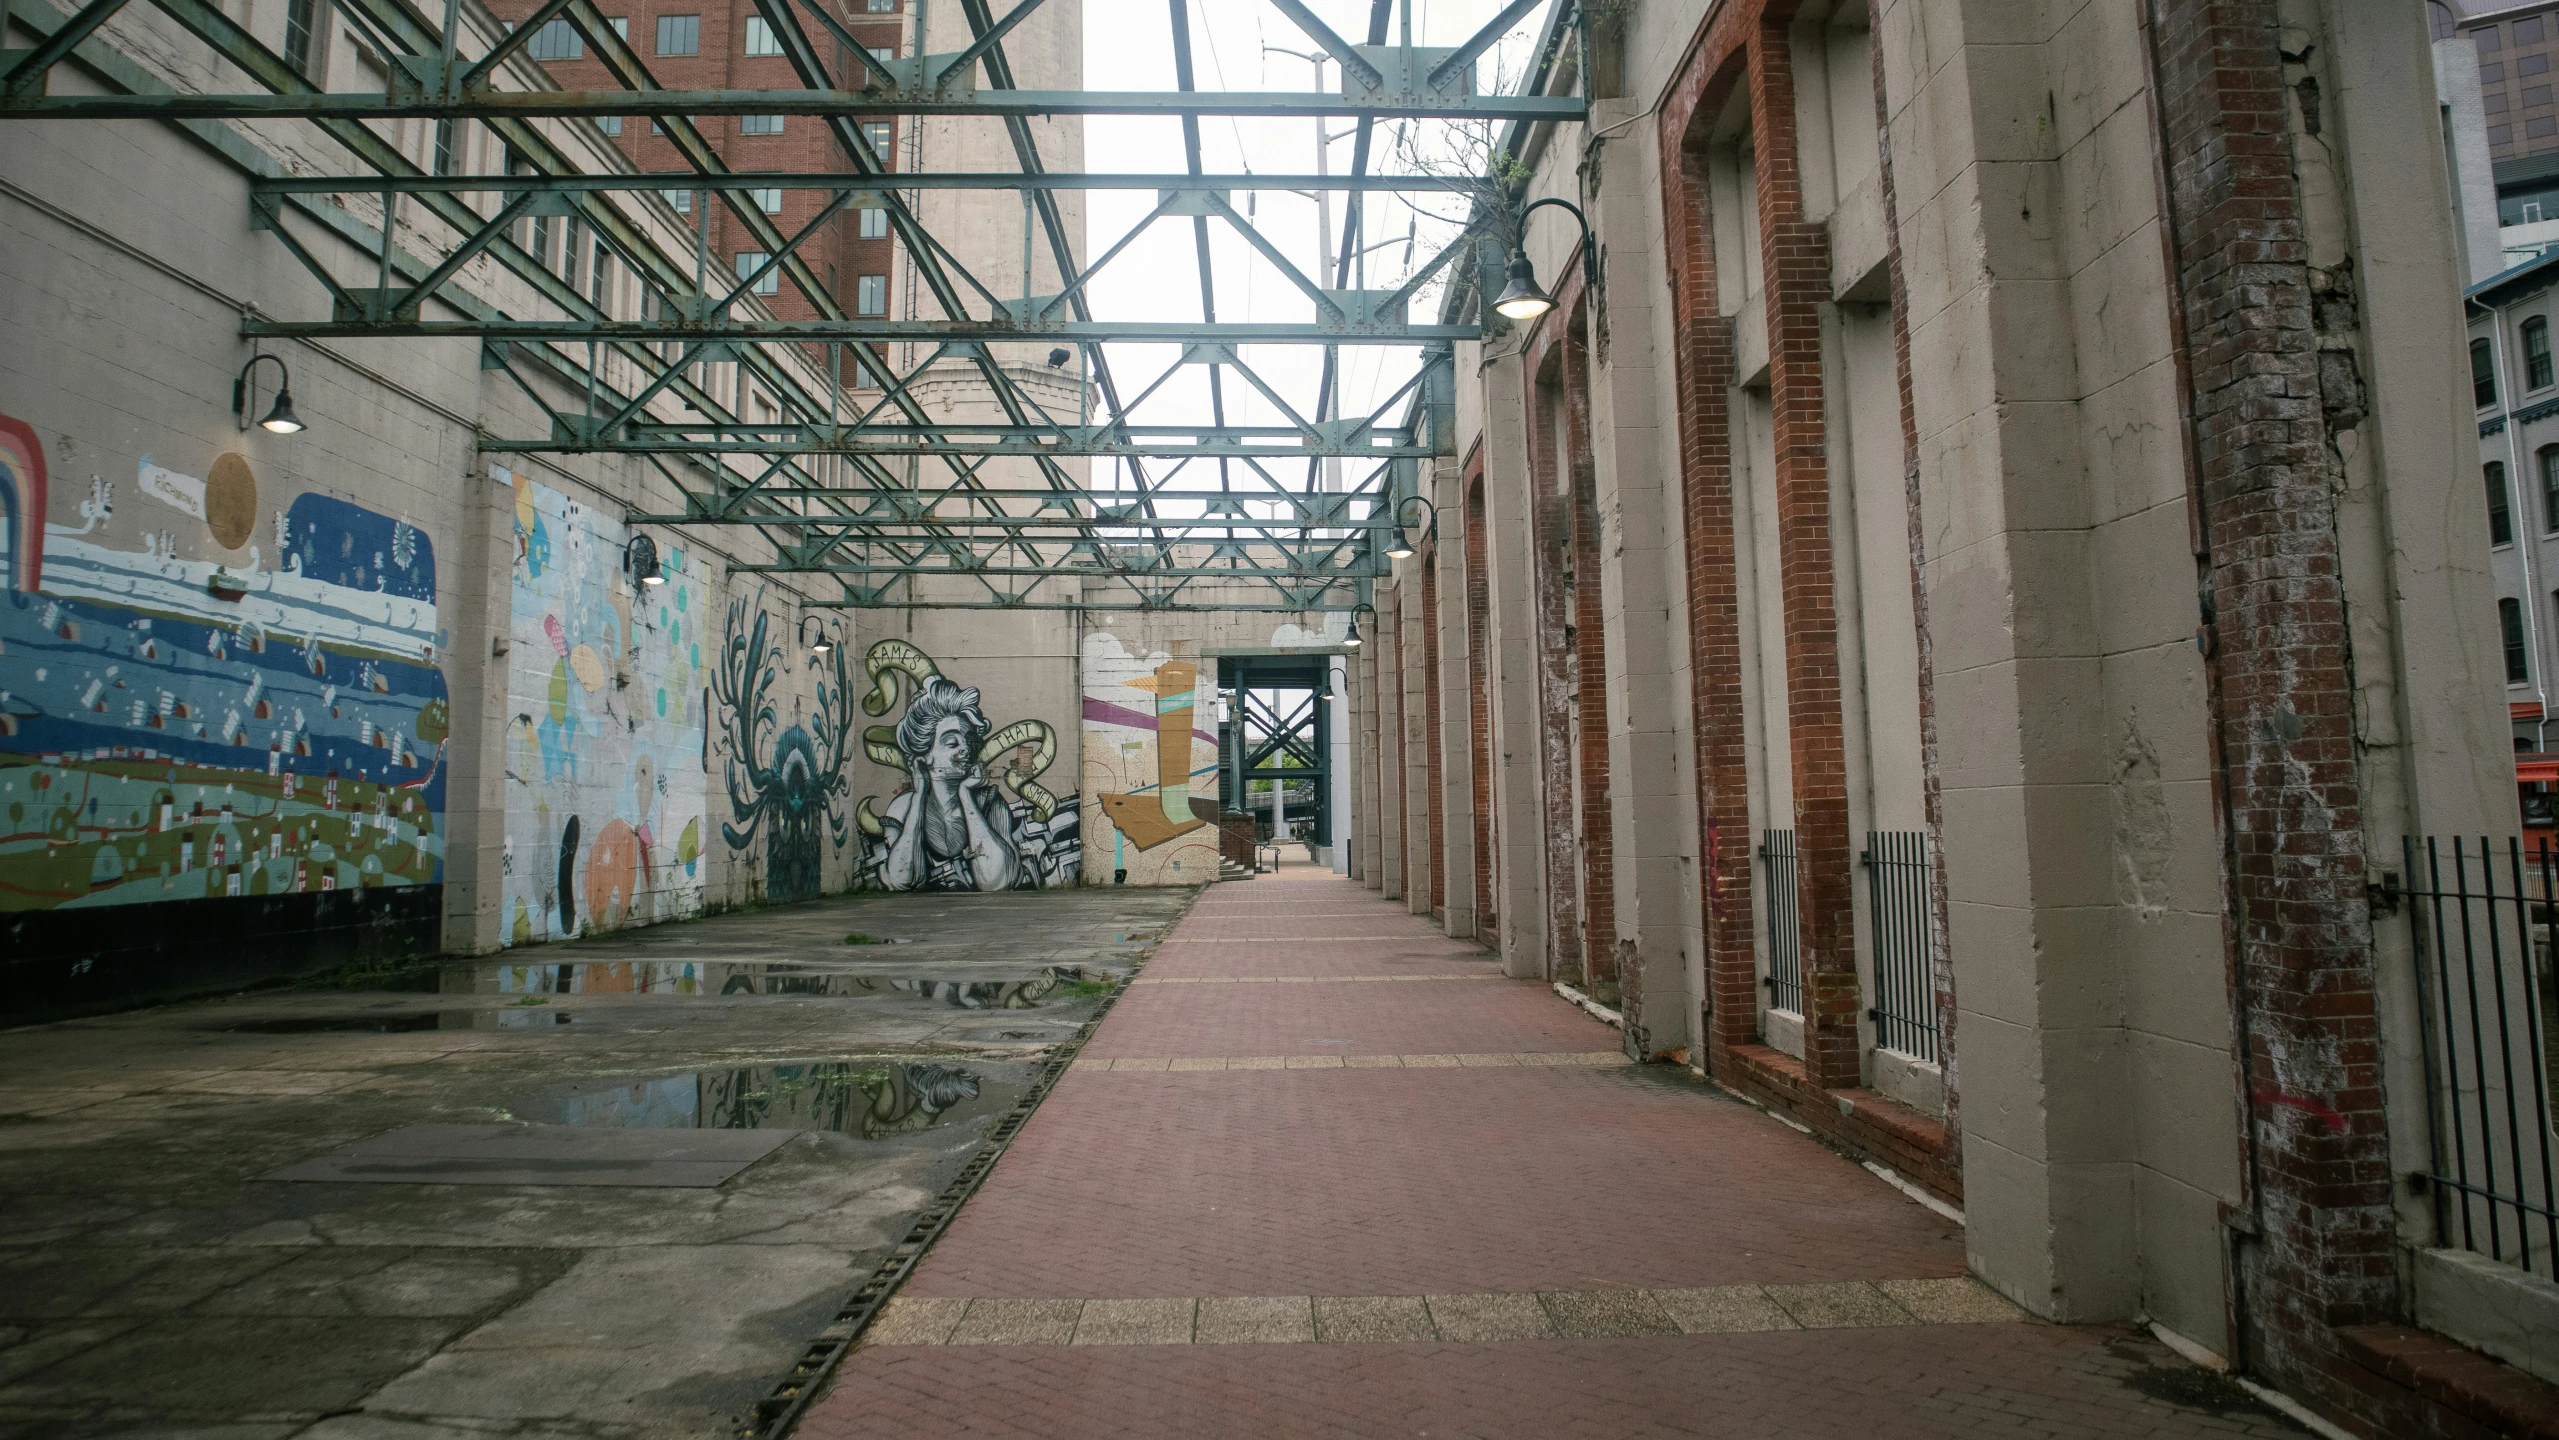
1129, 46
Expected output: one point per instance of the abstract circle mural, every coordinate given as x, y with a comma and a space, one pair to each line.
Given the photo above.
231, 501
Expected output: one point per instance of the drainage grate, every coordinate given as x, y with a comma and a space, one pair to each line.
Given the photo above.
776, 1413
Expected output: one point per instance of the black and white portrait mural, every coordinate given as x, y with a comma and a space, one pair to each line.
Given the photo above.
971, 814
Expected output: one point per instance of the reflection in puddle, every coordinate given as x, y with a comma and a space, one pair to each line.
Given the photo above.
342, 1024
700, 978
871, 1099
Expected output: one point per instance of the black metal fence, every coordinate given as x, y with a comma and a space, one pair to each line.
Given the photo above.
2486, 925
1785, 979
1898, 914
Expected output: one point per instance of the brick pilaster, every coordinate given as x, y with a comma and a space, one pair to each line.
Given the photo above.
1548, 535
1479, 699
1590, 664
2296, 873
1703, 364
1795, 264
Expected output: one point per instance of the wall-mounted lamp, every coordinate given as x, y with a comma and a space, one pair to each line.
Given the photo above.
1402, 547
1522, 298
824, 641
1352, 640
279, 417
1058, 357
640, 558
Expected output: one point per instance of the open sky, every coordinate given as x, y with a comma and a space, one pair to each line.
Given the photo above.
1235, 45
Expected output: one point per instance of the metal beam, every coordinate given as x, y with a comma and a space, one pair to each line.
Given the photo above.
743, 180
999, 331
846, 104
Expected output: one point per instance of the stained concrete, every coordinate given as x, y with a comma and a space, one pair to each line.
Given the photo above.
155, 1277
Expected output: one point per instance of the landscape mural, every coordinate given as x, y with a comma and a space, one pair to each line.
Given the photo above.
605, 786
178, 728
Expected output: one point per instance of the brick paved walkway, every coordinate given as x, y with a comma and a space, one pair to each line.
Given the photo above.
1321, 1203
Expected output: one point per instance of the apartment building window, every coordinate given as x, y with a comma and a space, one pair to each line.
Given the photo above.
770, 282
2549, 460
609, 124
883, 7
882, 53
600, 286
682, 200
679, 34
621, 26
557, 40
759, 125
2536, 353
871, 295
760, 39
875, 223
443, 147
2483, 375
769, 201
2510, 624
876, 133
573, 256
538, 243
2501, 520
299, 34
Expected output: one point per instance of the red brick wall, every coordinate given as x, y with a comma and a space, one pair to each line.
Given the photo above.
805, 144
1479, 700
1548, 535
2304, 982
1744, 50
1434, 795
1590, 664
1795, 259
1702, 364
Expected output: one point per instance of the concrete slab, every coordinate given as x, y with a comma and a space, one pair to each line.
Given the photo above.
539, 1155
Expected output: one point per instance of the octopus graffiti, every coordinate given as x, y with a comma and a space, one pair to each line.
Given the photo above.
972, 814
604, 799
788, 787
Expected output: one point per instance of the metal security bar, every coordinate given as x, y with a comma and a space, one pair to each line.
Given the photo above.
2485, 927
1898, 909
1785, 980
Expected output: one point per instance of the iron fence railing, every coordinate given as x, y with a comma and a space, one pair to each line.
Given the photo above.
1785, 980
2484, 941
1898, 913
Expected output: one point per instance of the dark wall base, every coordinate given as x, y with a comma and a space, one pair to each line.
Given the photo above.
61, 963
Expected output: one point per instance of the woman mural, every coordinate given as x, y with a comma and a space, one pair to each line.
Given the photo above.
963, 822
952, 830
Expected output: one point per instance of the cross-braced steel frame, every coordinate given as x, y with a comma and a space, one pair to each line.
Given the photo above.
847, 474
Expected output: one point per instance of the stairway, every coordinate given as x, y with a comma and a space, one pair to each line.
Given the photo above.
1229, 870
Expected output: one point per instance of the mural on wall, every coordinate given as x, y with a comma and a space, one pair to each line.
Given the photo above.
1156, 832
179, 729
972, 814
604, 789
787, 786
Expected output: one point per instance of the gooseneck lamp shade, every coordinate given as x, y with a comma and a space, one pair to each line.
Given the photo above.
641, 558
279, 418
1352, 640
822, 643
1521, 299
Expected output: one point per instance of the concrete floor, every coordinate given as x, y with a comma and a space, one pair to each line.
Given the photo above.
155, 1278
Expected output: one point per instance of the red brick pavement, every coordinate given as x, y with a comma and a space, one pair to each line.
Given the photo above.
1412, 1182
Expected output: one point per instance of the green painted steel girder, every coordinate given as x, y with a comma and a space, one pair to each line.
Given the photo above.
1071, 442
855, 328
849, 104
729, 180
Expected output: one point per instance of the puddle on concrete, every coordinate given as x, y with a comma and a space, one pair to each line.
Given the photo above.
340, 1024
696, 978
874, 1099
409, 1024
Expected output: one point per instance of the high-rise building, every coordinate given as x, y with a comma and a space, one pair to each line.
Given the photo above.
728, 45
